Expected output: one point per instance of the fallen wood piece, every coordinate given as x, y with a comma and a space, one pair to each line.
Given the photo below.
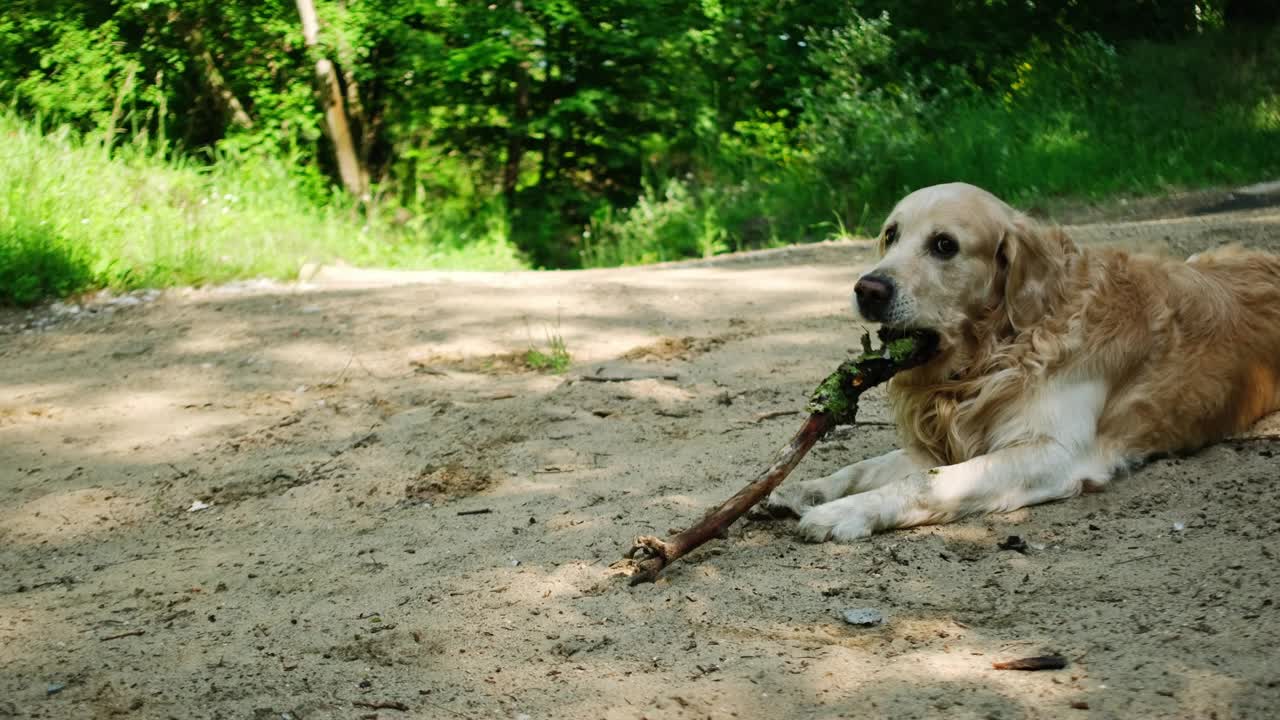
1043, 662
381, 705
625, 372
130, 633
833, 403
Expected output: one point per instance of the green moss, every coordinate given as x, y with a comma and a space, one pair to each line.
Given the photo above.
838, 395
831, 396
902, 349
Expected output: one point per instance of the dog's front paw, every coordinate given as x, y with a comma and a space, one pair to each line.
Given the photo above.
849, 519
793, 500
767, 511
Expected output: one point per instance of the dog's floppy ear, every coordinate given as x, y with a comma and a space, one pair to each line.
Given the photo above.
1033, 260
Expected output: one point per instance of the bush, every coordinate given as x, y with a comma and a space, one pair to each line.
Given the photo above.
37, 262
678, 223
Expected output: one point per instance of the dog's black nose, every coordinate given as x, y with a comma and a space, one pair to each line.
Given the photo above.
874, 293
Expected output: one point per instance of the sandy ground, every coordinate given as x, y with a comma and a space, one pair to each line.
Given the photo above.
399, 513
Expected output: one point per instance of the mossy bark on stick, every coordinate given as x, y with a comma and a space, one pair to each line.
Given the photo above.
834, 402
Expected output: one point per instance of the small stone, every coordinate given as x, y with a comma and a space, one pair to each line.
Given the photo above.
1179, 526
862, 617
1015, 543
54, 688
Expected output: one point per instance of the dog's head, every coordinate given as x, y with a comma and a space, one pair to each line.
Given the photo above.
954, 257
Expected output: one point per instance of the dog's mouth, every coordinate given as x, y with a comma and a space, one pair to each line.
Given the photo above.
909, 347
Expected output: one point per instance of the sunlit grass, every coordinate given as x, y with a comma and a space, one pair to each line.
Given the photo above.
75, 217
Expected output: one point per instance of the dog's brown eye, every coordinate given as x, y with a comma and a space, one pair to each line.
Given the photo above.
944, 246
890, 235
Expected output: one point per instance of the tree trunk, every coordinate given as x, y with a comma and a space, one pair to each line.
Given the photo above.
231, 103
335, 113
365, 127
547, 95
519, 126
226, 97
516, 137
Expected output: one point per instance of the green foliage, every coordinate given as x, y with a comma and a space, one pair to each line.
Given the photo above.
1093, 122
604, 132
860, 121
1077, 118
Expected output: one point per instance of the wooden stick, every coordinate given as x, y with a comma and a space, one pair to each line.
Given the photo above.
835, 402
1043, 662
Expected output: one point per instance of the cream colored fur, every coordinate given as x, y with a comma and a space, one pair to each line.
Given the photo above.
1059, 366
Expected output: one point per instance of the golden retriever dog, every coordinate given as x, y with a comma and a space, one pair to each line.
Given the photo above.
1058, 366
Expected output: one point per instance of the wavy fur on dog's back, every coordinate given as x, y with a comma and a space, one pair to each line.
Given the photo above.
1190, 353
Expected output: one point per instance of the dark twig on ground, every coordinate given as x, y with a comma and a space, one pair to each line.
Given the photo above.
117, 636
381, 705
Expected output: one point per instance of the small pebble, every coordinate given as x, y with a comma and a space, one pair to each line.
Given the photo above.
1179, 527
862, 617
55, 688
1013, 542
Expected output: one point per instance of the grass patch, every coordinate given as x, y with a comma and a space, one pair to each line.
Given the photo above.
75, 217
555, 359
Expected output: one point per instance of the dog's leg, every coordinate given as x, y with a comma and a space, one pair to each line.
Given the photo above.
859, 477
1004, 480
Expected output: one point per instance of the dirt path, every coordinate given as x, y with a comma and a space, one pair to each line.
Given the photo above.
397, 513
